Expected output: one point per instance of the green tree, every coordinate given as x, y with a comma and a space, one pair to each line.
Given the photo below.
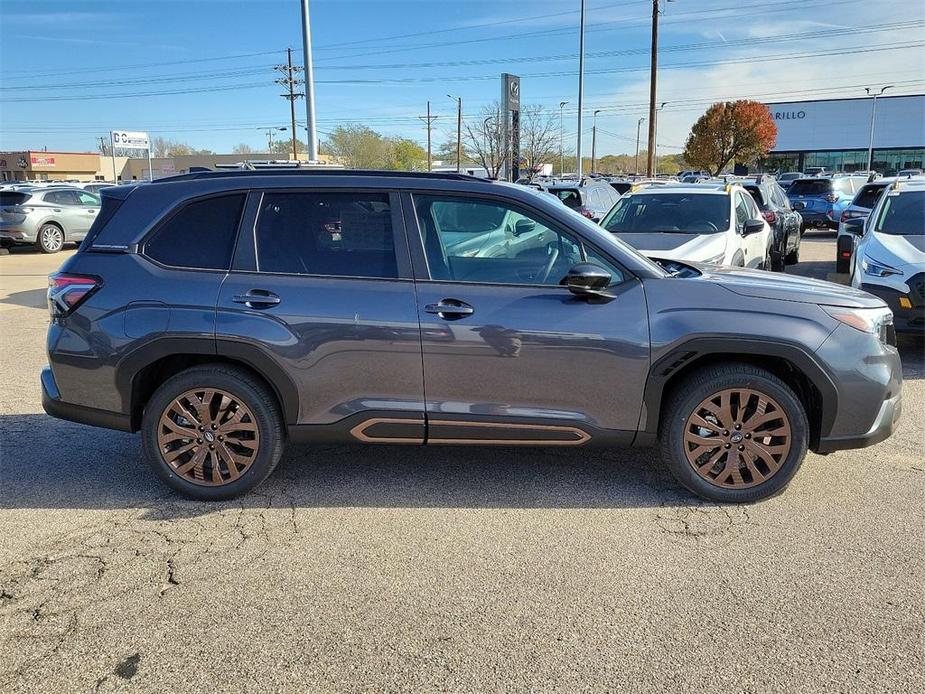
407, 155
359, 147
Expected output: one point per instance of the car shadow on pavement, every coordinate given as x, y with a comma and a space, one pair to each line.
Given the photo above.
49, 463
32, 298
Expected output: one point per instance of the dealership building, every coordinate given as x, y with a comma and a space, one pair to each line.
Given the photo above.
836, 134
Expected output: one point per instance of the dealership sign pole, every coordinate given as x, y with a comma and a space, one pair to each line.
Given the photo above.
131, 140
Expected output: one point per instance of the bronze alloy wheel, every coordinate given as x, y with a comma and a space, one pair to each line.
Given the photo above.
208, 437
737, 438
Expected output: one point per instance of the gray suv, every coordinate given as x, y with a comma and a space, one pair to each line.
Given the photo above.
223, 314
46, 217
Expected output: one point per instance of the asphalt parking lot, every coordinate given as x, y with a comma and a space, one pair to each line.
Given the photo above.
462, 570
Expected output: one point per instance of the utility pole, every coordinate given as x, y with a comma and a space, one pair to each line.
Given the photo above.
594, 141
561, 139
312, 138
290, 81
873, 120
428, 119
653, 78
655, 154
458, 100
638, 126
581, 78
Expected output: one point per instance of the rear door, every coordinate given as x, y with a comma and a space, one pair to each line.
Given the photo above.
321, 293
510, 355
67, 210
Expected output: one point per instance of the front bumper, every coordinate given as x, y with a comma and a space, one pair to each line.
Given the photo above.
882, 428
905, 320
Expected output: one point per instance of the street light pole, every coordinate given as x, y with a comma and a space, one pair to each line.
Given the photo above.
638, 126
312, 135
653, 156
594, 141
581, 80
561, 139
873, 120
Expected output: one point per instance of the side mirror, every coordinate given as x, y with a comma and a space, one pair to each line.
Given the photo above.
588, 280
855, 225
753, 226
524, 226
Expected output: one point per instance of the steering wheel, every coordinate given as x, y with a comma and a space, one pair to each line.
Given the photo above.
553, 257
702, 222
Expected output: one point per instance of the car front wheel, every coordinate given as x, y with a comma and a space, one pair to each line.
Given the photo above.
212, 432
734, 433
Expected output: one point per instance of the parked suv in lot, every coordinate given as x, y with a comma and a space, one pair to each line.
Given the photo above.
223, 314
590, 198
46, 217
715, 223
821, 200
786, 224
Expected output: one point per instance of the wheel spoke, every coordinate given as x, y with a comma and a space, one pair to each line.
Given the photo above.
699, 421
757, 420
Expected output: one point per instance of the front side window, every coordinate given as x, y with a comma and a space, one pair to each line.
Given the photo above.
200, 235
689, 213
322, 233
88, 199
743, 212
486, 241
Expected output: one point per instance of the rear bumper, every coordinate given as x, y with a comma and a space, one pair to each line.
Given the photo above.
16, 235
882, 428
905, 320
55, 407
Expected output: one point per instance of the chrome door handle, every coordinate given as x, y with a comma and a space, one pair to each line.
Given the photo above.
257, 298
450, 309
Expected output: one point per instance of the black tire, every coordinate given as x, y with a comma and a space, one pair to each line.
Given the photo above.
249, 391
793, 257
776, 260
701, 385
50, 238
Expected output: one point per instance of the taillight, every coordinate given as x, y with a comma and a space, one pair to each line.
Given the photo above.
849, 214
585, 212
831, 197
769, 216
66, 292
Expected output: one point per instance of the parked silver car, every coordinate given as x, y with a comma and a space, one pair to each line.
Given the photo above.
46, 217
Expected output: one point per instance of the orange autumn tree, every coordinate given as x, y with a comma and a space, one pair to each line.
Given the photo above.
730, 131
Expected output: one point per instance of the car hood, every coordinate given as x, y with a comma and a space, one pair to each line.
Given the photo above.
777, 285
674, 245
897, 250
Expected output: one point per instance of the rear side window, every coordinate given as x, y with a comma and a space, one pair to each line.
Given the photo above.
62, 197
335, 234
570, 196
13, 198
868, 196
200, 235
756, 194
109, 208
817, 186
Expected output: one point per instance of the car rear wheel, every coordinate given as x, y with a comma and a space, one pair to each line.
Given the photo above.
212, 432
734, 433
793, 257
50, 238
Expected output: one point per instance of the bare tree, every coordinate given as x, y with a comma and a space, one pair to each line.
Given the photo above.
242, 148
539, 137
484, 138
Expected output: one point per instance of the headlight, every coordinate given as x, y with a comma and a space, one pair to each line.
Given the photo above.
875, 269
715, 260
876, 321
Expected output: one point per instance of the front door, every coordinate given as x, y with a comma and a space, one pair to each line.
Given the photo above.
321, 291
510, 355
754, 246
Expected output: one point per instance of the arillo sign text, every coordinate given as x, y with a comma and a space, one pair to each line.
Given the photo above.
789, 115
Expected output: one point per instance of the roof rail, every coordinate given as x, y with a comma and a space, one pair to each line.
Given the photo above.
247, 173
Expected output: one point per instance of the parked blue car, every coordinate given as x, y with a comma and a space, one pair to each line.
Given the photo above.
822, 200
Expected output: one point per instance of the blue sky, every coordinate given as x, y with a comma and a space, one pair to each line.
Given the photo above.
71, 70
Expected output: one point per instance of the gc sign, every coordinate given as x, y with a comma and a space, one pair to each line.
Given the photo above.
124, 139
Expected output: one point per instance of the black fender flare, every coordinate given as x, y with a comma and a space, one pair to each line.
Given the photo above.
250, 355
688, 352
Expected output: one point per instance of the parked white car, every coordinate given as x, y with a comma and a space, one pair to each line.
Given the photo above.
703, 223
889, 259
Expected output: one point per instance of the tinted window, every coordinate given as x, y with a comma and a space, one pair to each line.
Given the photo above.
814, 186
692, 213
621, 187
337, 234
903, 214
200, 235
743, 212
868, 196
14, 198
62, 197
570, 196
517, 250
755, 192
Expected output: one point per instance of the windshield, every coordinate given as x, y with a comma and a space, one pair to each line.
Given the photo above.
903, 214
692, 213
813, 186
868, 196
